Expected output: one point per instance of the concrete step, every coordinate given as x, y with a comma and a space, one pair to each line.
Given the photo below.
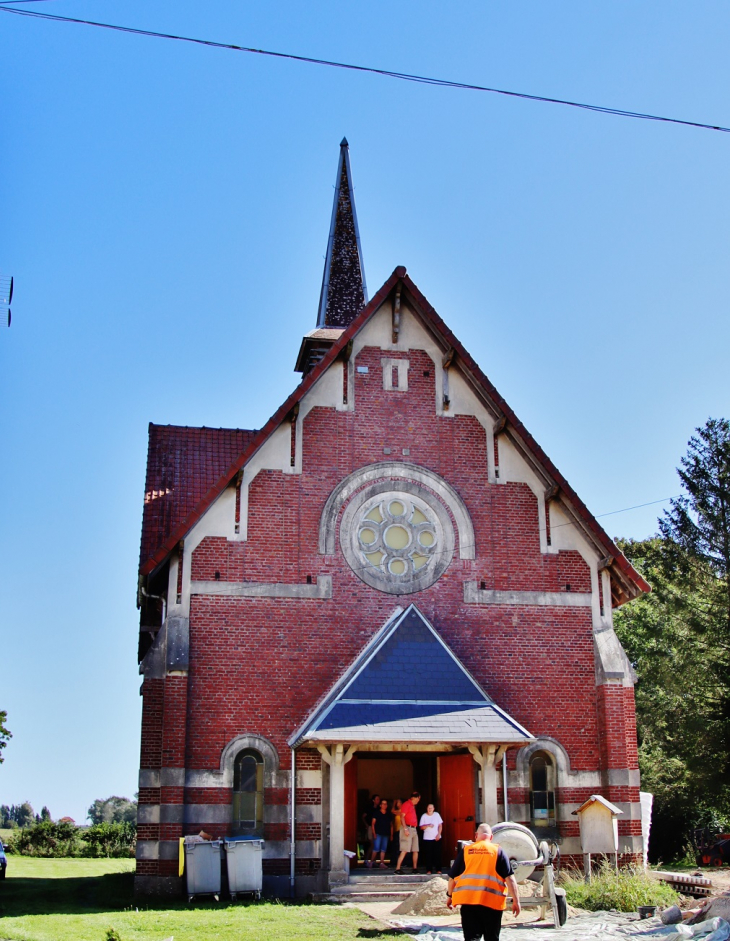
358, 888
376, 886
378, 896
384, 875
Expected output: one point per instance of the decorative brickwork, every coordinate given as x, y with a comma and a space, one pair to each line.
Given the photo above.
259, 663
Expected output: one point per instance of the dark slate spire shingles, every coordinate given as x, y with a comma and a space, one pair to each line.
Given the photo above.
343, 285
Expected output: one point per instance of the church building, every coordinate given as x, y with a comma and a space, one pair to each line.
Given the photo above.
388, 587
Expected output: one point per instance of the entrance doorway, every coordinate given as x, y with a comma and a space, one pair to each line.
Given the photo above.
448, 781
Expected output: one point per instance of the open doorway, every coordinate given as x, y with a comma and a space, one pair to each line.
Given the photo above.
447, 781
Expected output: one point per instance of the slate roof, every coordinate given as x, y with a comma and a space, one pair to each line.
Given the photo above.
626, 582
407, 684
182, 465
343, 291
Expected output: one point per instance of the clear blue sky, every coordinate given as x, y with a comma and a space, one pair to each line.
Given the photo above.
165, 211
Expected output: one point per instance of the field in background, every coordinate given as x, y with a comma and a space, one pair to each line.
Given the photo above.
81, 899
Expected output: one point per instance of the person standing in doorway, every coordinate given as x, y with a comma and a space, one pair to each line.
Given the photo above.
409, 832
431, 823
382, 827
394, 848
478, 882
367, 819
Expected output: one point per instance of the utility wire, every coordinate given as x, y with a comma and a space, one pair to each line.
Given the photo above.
403, 76
440, 553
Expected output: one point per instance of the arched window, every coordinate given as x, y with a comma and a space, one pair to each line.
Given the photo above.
542, 789
248, 793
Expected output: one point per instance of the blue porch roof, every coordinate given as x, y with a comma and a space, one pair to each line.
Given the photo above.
407, 685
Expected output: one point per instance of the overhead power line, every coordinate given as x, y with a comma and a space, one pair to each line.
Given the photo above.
387, 73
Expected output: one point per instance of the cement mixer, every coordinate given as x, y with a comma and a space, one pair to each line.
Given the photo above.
527, 855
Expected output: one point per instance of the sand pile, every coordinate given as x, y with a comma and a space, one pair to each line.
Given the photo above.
428, 899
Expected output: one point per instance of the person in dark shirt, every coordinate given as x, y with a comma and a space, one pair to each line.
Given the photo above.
482, 905
381, 823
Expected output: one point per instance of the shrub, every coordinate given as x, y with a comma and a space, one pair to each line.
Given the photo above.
110, 839
624, 890
46, 839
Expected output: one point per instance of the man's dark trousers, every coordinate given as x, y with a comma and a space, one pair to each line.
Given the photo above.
478, 921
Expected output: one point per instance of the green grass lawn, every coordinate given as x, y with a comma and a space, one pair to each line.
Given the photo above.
81, 899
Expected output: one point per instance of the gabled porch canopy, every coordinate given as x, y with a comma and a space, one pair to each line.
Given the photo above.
407, 686
406, 691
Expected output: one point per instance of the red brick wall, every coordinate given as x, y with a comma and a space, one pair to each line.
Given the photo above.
260, 665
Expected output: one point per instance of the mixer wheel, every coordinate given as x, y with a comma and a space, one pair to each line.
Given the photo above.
562, 909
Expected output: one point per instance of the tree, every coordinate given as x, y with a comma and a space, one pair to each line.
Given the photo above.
113, 810
697, 530
46, 814
678, 638
5, 735
23, 814
679, 760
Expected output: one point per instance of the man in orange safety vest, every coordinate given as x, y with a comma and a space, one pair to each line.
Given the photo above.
478, 882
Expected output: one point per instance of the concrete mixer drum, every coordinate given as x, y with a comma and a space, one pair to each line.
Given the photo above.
520, 845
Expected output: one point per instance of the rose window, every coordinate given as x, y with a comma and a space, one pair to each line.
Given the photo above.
397, 539
397, 536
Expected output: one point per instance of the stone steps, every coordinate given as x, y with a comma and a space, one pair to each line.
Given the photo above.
363, 878
374, 886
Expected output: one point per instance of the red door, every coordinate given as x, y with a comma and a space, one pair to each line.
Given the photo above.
457, 803
351, 805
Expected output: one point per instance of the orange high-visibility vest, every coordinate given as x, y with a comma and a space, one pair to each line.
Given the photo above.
479, 884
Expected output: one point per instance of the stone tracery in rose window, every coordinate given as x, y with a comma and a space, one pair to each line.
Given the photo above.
398, 537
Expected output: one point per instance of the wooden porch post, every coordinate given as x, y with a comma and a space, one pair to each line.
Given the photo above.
488, 757
336, 757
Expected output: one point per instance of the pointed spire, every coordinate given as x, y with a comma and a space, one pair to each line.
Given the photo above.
344, 292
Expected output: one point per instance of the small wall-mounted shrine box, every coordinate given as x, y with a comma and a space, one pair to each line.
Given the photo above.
598, 825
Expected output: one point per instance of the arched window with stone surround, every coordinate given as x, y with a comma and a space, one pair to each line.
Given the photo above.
248, 793
543, 780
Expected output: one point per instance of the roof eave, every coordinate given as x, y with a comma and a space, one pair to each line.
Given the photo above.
528, 447
631, 582
272, 424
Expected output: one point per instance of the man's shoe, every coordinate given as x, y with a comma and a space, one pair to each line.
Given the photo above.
399, 872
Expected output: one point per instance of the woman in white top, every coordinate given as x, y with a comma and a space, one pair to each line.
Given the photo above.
431, 824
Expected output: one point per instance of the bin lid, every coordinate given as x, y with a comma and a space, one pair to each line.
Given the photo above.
243, 839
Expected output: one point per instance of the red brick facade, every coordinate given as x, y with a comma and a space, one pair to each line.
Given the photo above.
258, 665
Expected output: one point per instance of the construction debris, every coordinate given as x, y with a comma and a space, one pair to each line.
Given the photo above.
718, 907
694, 885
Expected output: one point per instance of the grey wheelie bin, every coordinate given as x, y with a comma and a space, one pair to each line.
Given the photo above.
244, 857
203, 868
